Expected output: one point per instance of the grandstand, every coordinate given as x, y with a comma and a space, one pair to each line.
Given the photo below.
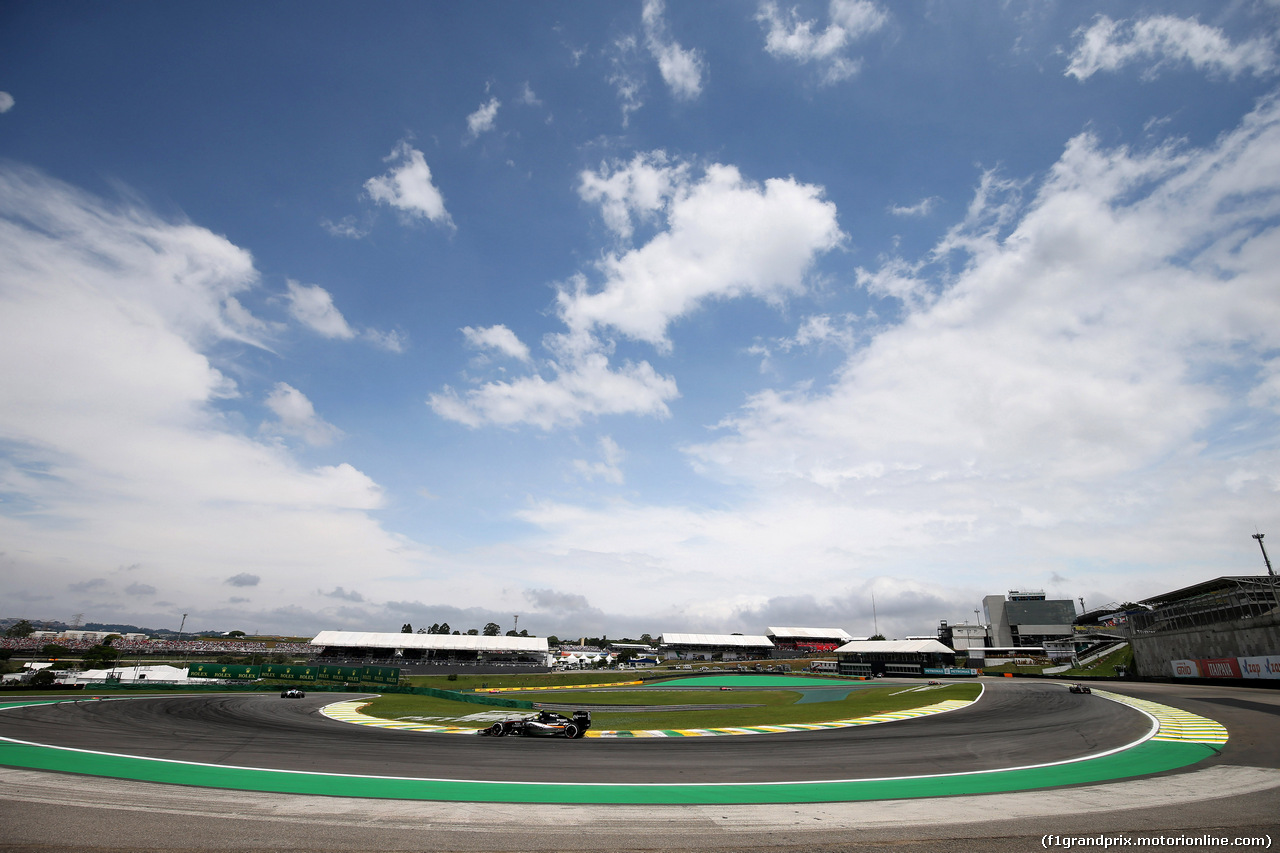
807, 640
714, 646
431, 648
893, 657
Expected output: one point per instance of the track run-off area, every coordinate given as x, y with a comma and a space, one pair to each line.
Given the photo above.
1019, 736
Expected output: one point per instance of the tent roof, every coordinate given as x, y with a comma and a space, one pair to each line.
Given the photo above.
715, 640
896, 647
812, 633
440, 642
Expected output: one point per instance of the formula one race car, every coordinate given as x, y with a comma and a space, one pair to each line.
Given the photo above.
543, 724
293, 693
1079, 688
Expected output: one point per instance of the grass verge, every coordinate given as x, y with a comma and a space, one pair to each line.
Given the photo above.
775, 707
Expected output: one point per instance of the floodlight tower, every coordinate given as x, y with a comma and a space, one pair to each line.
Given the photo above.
1265, 558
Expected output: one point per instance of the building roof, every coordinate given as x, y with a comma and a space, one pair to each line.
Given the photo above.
810, 633
1222, 584
440, 642
896, 647
745, 640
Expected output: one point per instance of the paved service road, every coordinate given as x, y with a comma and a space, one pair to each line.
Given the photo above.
1234, 793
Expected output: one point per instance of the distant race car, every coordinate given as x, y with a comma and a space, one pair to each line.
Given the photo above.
293, 693
1079, 688
543, 724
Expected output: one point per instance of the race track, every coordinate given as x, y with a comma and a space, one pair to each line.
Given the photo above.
1236, 789
1015, 724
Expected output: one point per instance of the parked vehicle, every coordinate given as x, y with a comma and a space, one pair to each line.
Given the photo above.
543, 724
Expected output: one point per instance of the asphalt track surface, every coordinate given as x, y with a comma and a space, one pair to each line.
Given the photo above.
1017, 723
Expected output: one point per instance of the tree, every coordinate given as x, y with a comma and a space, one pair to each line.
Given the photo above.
43, 678
235, 633
472, 632
422, 630
492, 629
876, 637
646, 639
21, 628
406, 628
512, 633
100, 656
53, 650
553, 640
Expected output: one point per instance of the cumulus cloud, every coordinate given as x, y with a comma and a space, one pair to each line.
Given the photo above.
295, 415
639, 189
312, 306
1164, 41
803, 41
722, 237
681, 69
482, 120
407, 186
498, 338
725, 237
243, 579
345, 595
1090, 383
6, 102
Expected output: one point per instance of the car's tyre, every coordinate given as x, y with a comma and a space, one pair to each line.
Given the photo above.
496, 730
571, 731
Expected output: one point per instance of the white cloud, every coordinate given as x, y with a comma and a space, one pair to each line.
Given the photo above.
6, 102
726, 237
1065, 406
921, 208
681, 69
625, 76
498, 338
1162, 41
483, 119
297, 416
113, 421
312, 306
609, 468
585, 386
408, 187
790, 37
640, 188
527, 96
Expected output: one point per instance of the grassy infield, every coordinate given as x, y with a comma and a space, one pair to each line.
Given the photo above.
774, 707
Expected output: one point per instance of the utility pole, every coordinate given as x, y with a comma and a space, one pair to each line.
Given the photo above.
875, 621
516, 628
1265, 558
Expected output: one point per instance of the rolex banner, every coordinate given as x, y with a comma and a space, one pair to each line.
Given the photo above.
289, 672
223, 670
381, 675
341, 674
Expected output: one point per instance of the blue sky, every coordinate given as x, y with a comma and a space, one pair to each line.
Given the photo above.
632, 317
